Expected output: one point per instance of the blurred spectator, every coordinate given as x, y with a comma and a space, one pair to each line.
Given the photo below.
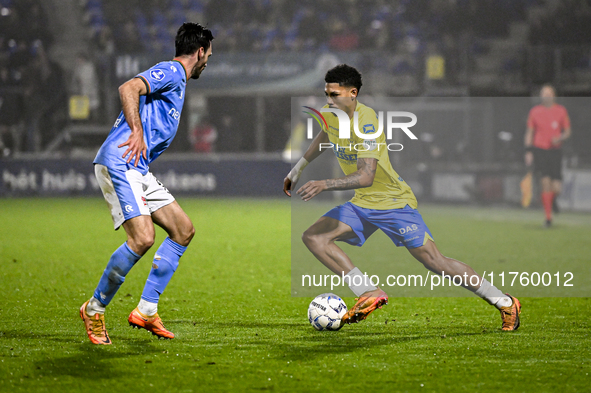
85, 83
310, 30
222, 11
104, 41
10, 26
25, 71
569, 23
341, 37
128, 40
227, 135
46, 99
263, 25
11, 112
203, 137
35, 18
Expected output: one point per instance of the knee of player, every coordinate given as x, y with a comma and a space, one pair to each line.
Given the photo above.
184, 235
143, 243
189, 233
311, 239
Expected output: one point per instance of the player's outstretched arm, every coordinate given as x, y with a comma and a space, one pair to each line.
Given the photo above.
130, 93
363, 177
313, 151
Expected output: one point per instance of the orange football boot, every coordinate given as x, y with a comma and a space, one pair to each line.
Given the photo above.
510, 315
95, 326
366, 304
152, 324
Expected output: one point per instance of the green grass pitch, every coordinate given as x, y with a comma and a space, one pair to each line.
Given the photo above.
239, 329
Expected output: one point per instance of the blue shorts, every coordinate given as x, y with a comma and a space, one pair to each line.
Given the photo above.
404, 226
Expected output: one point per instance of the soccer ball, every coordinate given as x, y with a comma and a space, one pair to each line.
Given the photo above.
325, 312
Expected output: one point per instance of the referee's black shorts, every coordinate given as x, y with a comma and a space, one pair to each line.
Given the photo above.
548, 163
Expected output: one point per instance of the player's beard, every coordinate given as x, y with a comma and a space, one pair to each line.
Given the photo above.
197, 70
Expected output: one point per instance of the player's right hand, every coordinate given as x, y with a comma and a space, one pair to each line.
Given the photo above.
136, 147
287, 185
529, 159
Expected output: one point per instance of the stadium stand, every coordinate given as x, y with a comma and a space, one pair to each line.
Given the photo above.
408, 48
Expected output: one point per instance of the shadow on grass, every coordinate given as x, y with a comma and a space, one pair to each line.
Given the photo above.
85, 360
307, 348
28, 335
299, 341
229, 324
540, 227
98, 362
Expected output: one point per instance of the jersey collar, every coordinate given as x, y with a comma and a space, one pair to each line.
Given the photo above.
358, 106
183, 67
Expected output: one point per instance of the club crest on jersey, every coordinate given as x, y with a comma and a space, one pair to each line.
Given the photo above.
157, 74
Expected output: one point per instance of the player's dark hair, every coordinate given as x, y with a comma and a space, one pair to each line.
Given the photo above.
344, 75
190, 37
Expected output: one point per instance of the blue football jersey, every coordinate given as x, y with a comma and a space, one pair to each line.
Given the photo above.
160, 112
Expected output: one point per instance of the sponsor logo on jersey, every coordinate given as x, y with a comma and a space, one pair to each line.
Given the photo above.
128, 208
341, 152
410, 228
370, 144
157, 74
174, 113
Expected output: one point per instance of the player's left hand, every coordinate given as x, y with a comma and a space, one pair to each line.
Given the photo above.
136, 147
556, 140
311, 189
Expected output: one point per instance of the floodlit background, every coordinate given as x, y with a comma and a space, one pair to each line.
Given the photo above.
61, 62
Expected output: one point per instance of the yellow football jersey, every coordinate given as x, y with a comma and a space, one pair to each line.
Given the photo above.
388, 190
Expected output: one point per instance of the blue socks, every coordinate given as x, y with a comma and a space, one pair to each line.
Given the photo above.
119, 265
166, 261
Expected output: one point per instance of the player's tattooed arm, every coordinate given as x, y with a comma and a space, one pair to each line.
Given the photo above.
363, 177
130, 92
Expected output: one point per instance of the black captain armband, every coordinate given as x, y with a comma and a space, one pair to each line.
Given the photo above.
529, 148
